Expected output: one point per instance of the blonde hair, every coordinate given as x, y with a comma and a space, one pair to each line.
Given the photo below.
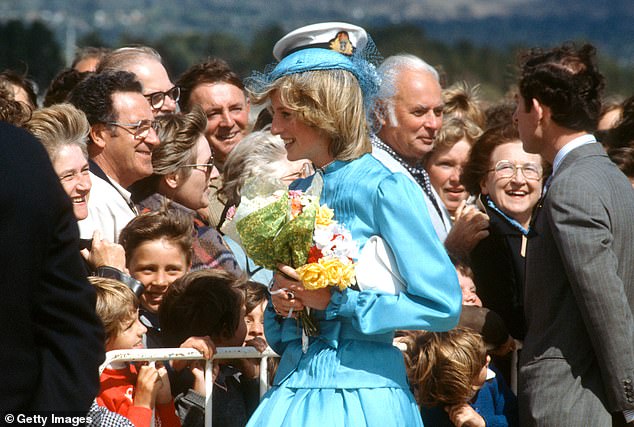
462, 100
58, 126
456, 129
330, 101
442, 366
116, 304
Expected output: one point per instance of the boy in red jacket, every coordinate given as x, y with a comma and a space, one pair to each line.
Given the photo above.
136, 392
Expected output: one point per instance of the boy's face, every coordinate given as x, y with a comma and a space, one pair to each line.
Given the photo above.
255, 321
478, 382
157, 264
130, 337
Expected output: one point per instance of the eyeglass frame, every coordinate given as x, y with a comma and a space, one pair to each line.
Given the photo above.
515, 169
197, 166
305, 171
159, 104
136, 133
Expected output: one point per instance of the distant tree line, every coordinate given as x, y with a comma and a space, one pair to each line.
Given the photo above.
34, 50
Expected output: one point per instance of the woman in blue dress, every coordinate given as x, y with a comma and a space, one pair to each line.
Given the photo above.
350, 374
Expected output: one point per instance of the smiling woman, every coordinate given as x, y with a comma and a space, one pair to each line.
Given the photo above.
183, 167
63, 130
445, 161
508, 181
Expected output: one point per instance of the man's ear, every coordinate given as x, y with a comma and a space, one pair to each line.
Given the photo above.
99, 134
541, 109
380, 113
172, 180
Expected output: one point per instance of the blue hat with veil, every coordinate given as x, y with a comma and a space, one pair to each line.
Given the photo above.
325, 46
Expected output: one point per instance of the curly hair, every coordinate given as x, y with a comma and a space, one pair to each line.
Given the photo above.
93, 95
213, 70
328, 100
12, 111
15, 79
442, 366
567, 80
202, 303
62, 84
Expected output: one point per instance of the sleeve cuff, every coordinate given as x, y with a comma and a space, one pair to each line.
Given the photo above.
342, 303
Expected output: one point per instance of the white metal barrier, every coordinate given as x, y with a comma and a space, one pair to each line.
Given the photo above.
154, 354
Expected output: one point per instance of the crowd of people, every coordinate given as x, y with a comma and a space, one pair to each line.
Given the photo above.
507, 225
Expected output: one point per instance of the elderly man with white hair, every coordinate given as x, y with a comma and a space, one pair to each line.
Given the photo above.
410, 114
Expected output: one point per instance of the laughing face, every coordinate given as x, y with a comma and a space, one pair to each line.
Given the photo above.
515, 196
227, 110
71, 167
157, 264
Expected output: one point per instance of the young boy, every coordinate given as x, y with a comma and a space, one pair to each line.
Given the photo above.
452, 382
134, 392
209, 303
158, 248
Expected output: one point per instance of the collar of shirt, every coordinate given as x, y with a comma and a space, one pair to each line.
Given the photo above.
575, 143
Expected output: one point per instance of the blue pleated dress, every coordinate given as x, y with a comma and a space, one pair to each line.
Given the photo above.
351, 374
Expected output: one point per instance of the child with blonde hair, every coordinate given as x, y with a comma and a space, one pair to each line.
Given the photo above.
450, 376
138, 392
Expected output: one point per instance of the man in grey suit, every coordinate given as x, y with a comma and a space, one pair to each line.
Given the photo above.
577, 363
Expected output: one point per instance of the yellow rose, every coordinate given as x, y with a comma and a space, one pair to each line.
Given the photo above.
312, 276
347, 277
324, 215
332, 270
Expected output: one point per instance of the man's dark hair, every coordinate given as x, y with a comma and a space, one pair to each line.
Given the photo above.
93, 95
62, 84
213, 70
201, 303
567, 80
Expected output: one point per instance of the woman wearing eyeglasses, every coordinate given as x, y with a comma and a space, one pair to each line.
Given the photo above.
183, 166
508, 182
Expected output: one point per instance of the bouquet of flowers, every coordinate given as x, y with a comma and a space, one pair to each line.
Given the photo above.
331, 257
275, 225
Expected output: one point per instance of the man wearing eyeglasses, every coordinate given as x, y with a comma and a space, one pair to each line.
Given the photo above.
122, 138
146, 64
577, 361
